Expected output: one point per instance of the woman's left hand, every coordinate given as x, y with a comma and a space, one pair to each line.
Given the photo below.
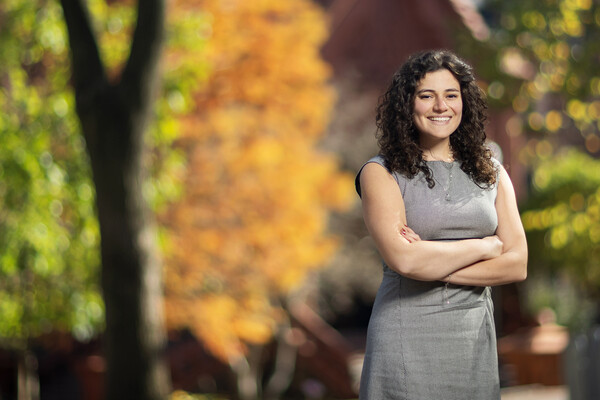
409, 234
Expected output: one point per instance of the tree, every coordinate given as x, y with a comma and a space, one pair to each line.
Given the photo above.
540, 60
49, 238
562, 219
48, 228
114, 112
251, 225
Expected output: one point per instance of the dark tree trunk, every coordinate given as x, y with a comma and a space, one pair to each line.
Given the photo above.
113, 118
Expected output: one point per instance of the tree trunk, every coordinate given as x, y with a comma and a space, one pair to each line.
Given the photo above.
247, 371
113, 119
131, 272
285, 363
28, 385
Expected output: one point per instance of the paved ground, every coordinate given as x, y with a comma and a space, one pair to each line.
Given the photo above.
535, 392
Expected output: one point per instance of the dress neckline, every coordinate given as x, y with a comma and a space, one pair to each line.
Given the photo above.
446, 164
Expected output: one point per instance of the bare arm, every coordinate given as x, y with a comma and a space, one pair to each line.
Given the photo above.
384, 215
511, 265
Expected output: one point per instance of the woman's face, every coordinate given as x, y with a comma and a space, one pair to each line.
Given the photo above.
438, 106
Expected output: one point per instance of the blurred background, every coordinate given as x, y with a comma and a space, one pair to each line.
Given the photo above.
264, 114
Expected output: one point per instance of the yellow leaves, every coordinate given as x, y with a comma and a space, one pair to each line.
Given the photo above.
547, 217
595, 233
534, 20
577, 201
570, 18
223, 322
271, 56
559, 237
581, 4
553, 120
114, 39
593, 110
560, 222
570, 217
561, 50
213, 324
536, 121
551, 36
253, 330
181, 395
576, 109
252, 222
585, 115
256, 320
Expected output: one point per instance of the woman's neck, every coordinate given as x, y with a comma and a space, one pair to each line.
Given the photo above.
439, 153
436, 150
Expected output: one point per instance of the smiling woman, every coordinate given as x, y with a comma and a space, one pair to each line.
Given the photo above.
443, 215
437, 113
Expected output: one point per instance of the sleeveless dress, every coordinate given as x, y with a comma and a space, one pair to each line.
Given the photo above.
426, 340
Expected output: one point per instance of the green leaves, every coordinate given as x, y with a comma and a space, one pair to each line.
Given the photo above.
562, 218
49, 238
541, 60
48, 231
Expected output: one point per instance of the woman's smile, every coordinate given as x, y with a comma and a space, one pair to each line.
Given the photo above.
440, 120
437, 106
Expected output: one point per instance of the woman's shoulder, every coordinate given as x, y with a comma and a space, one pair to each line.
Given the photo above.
378, 159
498, 168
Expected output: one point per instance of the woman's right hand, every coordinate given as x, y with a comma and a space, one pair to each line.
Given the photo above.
494, 247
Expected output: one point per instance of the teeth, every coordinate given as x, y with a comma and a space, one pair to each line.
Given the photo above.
441, 119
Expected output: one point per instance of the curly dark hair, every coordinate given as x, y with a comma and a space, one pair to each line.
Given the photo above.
398, 137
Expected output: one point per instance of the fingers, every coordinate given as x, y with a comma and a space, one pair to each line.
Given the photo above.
409, 234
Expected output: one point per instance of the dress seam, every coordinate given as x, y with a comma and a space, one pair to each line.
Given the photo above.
402, 378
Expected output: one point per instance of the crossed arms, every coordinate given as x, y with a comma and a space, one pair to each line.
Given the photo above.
490, 261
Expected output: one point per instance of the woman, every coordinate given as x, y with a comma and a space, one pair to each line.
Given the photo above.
443, 215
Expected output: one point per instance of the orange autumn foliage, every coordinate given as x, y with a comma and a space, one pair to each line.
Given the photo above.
252, 221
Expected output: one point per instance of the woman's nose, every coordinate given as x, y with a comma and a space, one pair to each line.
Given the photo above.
440, 105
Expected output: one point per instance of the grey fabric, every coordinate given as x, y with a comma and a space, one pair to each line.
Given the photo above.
426, 341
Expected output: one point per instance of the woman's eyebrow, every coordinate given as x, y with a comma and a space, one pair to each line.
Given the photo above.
433, 91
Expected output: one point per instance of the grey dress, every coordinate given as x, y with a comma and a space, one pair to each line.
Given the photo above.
427, 341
